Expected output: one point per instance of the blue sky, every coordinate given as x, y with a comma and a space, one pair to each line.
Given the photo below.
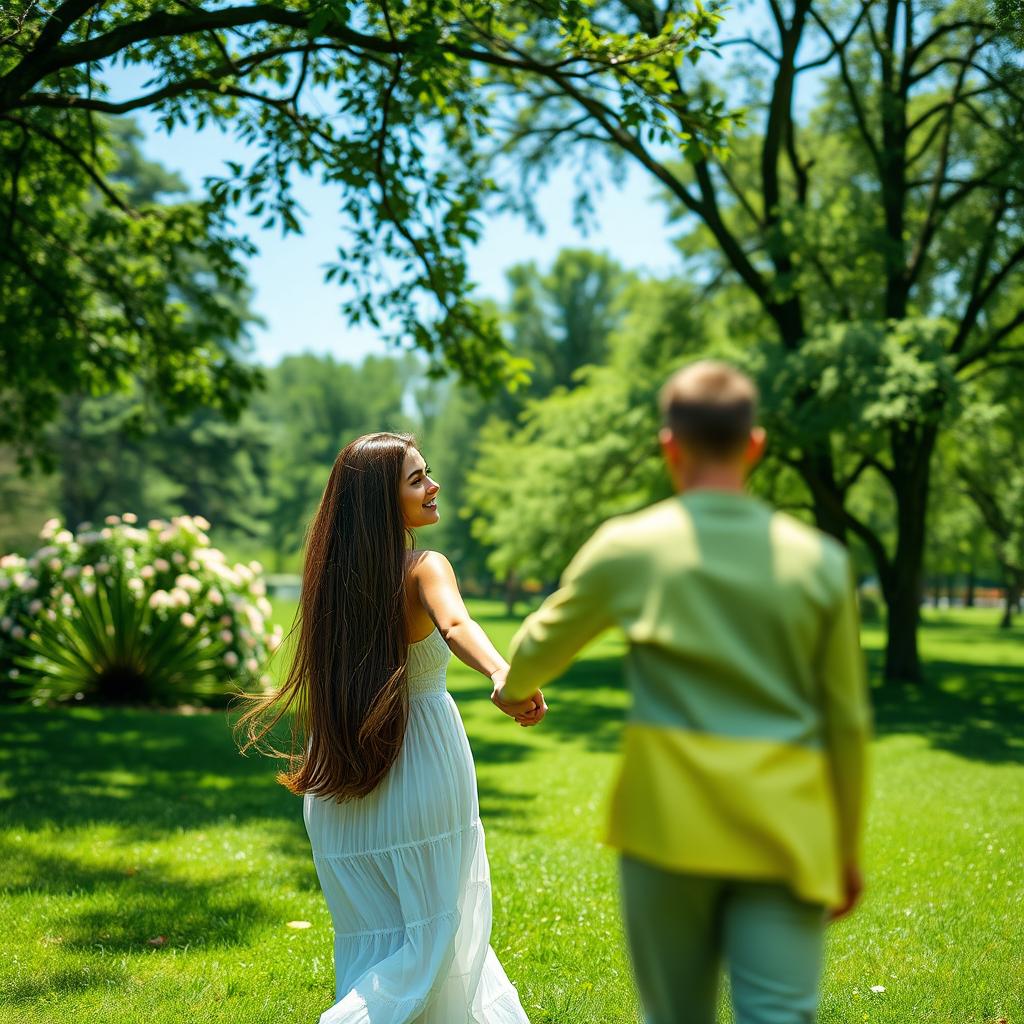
302, 311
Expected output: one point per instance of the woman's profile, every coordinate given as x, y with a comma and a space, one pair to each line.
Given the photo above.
380, 754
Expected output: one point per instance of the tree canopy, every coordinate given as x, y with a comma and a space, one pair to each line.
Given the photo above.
401, 108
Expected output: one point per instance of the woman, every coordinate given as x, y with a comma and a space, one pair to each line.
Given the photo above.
381, 756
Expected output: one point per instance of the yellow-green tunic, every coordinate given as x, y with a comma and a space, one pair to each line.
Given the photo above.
745, 743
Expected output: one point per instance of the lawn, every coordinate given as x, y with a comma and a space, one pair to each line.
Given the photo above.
150, 872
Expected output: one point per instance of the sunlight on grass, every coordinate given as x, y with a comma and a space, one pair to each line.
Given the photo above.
151, 872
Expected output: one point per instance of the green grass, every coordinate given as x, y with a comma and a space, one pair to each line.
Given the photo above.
119, 826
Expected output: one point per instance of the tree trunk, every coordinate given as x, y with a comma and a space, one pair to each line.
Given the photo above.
1013, 592
511, 593
902, 584
971, 583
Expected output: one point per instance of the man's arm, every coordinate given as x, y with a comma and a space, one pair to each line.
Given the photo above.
574, 614
847, 727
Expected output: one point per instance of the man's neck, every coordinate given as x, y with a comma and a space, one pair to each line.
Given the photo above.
715, 478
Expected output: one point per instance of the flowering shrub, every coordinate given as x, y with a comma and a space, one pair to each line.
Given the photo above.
126, 613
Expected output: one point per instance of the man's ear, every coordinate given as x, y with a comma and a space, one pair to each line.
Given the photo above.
755, 447
669, 446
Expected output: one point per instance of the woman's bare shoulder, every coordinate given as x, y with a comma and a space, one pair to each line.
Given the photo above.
424, 562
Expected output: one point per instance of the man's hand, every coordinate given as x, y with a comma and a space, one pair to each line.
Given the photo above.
526, 712
853, 885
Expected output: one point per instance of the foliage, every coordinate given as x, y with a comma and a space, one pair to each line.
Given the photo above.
882, 220
559, 321
123, 613
108, 286
313, 406
580, 456
401, 108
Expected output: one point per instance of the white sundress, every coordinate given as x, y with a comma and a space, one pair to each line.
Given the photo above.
405, 875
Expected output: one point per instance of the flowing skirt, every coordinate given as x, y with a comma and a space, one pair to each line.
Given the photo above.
405, 875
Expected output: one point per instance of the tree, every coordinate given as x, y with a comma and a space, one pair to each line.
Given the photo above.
91, 281
989, 462
106, 285
872, 245
579, 456
559, 321
312, 407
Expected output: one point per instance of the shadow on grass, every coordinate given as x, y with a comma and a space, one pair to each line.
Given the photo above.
975, 711
154, 771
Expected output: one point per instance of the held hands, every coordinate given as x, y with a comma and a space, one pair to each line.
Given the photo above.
526, 712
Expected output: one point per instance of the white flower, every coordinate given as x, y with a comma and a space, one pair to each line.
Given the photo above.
225, 620
257, 588
257, 567
215, 596
161, 565
64, 537
67, 601
180, 598
11, 562
178, 558
88, 588
54, 564
5, 623
27, 583
147, 572
159, 599
136, 586
193, 566
51, 614
87, 571
17, 632
188, 620
88, 537
71, 572
877, 988
244, 573
35, 607
252, 665
266, 681
4, 582
265, 607
275, 638
50, 527
83, 525
187, 582
102, 568
130, 517
226, 636
106, 533
13, 674
47, 551
231, 659
112, 520
156, 524
202, 522
250, 641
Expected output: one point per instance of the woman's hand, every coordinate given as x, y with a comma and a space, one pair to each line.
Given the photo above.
526, 712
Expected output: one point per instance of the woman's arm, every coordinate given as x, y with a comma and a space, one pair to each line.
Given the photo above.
439, 594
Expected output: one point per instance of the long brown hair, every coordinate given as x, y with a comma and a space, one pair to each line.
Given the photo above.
346, 684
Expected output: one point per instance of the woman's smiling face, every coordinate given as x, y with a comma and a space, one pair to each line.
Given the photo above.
417, 493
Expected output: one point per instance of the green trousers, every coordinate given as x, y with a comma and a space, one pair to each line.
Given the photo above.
682, 928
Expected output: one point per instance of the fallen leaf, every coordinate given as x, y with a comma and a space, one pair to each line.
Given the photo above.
298, 924
159, 940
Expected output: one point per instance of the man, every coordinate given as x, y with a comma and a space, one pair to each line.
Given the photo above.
738, 807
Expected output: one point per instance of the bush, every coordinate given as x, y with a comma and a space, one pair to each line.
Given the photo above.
125, 614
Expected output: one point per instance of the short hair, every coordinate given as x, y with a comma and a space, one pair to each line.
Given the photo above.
711, 407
